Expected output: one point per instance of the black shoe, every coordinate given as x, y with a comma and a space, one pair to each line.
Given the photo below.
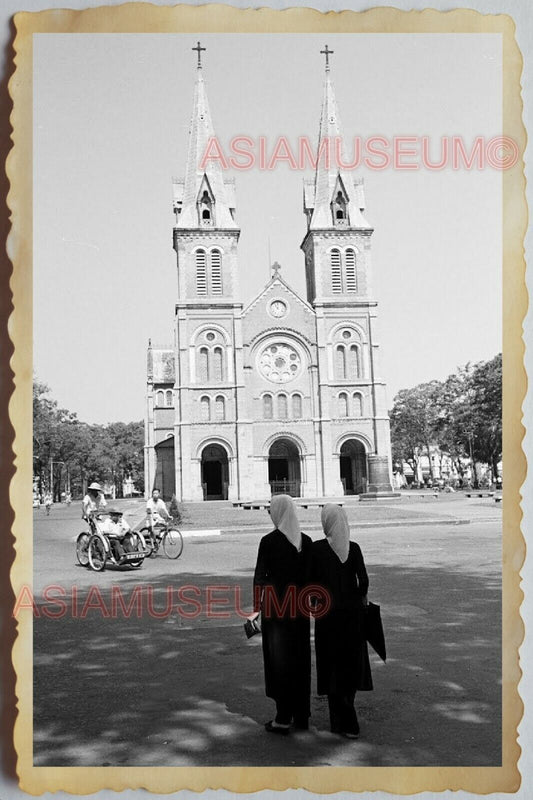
301, 724
272, 727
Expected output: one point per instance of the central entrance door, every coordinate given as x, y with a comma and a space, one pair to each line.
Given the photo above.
353, 467
215, 472
284, 474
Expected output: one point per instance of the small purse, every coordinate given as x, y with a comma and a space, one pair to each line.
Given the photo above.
252, 627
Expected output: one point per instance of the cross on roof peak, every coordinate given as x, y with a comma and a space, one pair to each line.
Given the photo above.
327, 52
199, 49
275, 269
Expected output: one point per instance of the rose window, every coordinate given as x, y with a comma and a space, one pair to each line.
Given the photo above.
279, 363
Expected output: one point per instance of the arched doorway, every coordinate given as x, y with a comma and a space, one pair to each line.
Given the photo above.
284, 474
215, 472
165, 470
353, 467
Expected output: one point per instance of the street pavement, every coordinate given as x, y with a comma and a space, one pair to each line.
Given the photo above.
172, 679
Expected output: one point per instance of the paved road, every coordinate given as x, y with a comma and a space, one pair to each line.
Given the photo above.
171, 687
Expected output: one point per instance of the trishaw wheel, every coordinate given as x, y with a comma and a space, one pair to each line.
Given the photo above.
146, 532
173, 543
82, 548
136, 543
97, 554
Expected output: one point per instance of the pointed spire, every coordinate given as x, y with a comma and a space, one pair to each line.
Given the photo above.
329, 177
201, 130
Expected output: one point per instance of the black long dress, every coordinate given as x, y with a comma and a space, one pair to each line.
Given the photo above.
342, 662
280, 574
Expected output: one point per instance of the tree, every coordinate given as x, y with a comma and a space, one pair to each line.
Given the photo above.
414, 424
69, 453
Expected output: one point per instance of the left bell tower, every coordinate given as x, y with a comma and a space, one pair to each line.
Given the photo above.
208, 387
205, 231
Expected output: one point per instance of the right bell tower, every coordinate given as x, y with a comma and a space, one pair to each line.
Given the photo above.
355, 428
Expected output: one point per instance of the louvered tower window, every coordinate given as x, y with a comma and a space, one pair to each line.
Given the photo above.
340, 362
355, 361
203, 364
336, 272
201, 272
216, 272
218, 358
350, 271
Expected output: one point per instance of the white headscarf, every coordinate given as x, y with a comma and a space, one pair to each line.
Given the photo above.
283, 514
337, 530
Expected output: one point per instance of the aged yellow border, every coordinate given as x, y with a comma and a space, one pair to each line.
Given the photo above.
137, 17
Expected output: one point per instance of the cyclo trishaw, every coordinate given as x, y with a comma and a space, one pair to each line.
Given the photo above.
94, 548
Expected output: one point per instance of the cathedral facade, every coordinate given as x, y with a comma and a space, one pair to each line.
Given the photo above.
284, 394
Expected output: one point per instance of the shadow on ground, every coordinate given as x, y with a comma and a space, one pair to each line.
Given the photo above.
174, 691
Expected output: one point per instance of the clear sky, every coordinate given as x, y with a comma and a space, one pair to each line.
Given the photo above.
111, 118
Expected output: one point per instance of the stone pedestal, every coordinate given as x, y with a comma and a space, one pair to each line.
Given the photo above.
378, 474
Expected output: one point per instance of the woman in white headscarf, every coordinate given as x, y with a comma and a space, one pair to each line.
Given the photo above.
342, 660
282, 571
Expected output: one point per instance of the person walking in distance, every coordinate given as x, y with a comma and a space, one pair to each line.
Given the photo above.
282, 570
342, 662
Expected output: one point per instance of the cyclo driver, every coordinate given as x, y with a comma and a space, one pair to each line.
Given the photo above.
156, 512
93, 502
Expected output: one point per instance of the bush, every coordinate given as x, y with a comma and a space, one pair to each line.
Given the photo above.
175, 510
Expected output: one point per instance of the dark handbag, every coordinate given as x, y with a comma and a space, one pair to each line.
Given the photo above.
373, 628
252, 627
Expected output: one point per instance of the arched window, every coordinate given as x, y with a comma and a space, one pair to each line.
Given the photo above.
205, 409
343, 404
355, 361
340, 362
203, 364
201, 272
220, 408
350, 271
160, 398
357, 405
268, 408
297, 406
218, 359
168, 397
339, 207
205, 207
283, 410
336, 274
216, 272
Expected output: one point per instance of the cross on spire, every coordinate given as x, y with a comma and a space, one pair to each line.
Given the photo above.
199, 49
275, 269
327, 52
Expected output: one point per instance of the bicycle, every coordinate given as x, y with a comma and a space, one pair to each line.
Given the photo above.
165, 535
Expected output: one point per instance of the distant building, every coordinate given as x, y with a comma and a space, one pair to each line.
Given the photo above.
285, 394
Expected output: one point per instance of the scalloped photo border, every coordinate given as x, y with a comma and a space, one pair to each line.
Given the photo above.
139, 18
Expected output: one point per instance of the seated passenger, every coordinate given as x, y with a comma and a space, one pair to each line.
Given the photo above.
116, 528
93, 502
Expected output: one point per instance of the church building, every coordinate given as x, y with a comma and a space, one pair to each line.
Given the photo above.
284, 394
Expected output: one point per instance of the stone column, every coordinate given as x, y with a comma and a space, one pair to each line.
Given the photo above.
378, 474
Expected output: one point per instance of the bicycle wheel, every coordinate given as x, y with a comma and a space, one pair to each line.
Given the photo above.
147, 535
136, 544
97, 554
173, 543
82, 547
